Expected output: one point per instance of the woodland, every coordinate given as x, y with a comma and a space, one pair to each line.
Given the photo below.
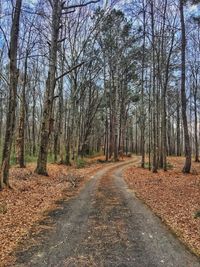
98, 77
84, 83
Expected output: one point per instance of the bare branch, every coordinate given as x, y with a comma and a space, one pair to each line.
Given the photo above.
68, 12
4, 35
70, 70
62, 40
82, 5
4, 78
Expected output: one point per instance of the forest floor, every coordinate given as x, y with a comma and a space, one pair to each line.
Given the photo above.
92, 217
33, 196
173, 196
99, 224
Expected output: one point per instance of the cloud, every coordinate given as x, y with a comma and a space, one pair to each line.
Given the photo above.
123, 3
193, 8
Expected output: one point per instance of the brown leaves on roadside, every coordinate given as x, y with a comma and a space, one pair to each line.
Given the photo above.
173, 196
32, 194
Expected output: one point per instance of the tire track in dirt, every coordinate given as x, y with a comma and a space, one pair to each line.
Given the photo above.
107, 226
70, 225
124, 232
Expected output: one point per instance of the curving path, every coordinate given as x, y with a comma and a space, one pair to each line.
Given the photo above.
106, 225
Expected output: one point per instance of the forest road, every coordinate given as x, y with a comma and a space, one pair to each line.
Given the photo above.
106, 225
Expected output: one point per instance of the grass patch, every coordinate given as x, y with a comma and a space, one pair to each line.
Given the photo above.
81, 163
146, 165
30, 158
197, 214
50, 158
13, 160
170, 166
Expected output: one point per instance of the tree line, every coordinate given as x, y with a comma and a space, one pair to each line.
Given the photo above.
85, 77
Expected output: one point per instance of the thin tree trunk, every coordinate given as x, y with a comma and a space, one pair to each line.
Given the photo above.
155, 163
187, 165
196, 125
178, 132
142, 145
21, 128
136, 133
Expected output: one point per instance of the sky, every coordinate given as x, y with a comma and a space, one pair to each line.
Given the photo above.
193, 9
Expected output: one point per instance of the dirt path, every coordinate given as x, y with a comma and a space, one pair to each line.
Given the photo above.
106, 225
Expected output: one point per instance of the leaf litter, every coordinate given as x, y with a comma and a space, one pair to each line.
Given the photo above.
173, 196
31, 197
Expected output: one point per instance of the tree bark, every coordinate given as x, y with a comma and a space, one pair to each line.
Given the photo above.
196, 123
178, 131
142, 145
155, 149
47, 120
13, 81
187, 165
21, 128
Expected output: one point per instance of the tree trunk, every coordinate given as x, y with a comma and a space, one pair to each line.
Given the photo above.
11, 117
155, 163
136, 132
116, 126
21, 127
196, 125
187, 165
142, 145
178, 132
47, 120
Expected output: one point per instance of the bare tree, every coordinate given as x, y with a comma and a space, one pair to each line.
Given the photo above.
13, 81
187, 166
